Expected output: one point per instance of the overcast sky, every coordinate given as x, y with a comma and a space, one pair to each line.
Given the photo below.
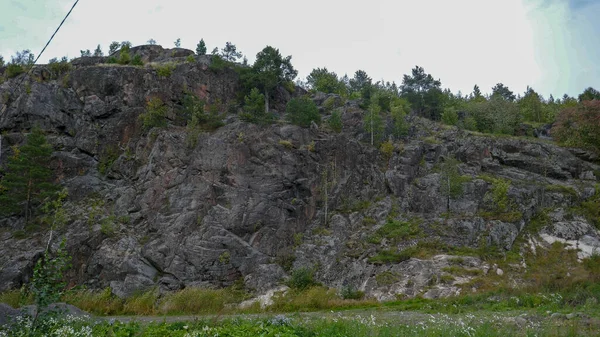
551, 45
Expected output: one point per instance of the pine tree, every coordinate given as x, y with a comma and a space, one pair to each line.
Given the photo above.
201, 47
98, 51
114, 46
28, 181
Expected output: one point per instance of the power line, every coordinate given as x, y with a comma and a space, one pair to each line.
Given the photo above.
46, 46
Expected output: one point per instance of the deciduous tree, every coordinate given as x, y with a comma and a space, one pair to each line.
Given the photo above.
270, 70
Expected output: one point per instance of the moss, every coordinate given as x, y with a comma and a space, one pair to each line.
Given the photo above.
107, 226
107, 158
386, 278
397, 231
566, 190
460, 271
287, 144
356, 206
165, 70
225, 257
393, 255
590, 208
368, 221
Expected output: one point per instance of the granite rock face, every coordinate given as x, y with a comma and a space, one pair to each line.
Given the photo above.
253, 203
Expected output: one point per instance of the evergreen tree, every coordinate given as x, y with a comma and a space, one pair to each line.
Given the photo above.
589, 94
98, 51
502, 91
1, 61
476, 95
230, 52
424, 93
302, 111
114, 46
86, 53
177, 43
151, 42
360, 82
201, 48
28, 180
254, 109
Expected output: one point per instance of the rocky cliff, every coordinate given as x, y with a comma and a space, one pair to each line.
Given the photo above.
254, 203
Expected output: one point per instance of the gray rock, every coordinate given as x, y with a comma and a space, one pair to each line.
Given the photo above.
7, 313
150, 208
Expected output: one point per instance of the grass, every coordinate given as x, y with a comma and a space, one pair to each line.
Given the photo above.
361, 324
397, 231
357, 206
461, 271
566, 190
287, 144
164, 70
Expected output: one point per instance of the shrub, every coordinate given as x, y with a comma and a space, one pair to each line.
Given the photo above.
579, 126
335, 121
302, 111
137, 61
349, 293
386, 278
14, 70
449, 116
155, 115
124, 56
254, 109
217, 63
393, 256
165, 70
301, 278
58, 68
387, 150
190, 59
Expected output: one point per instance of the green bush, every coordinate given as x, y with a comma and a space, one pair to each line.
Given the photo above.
14, 70
335, 121
450, 116
58, 68
165, 70
137, 61
349, 293
303, 111
301, 279
254, 109
218, 63
155, 115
